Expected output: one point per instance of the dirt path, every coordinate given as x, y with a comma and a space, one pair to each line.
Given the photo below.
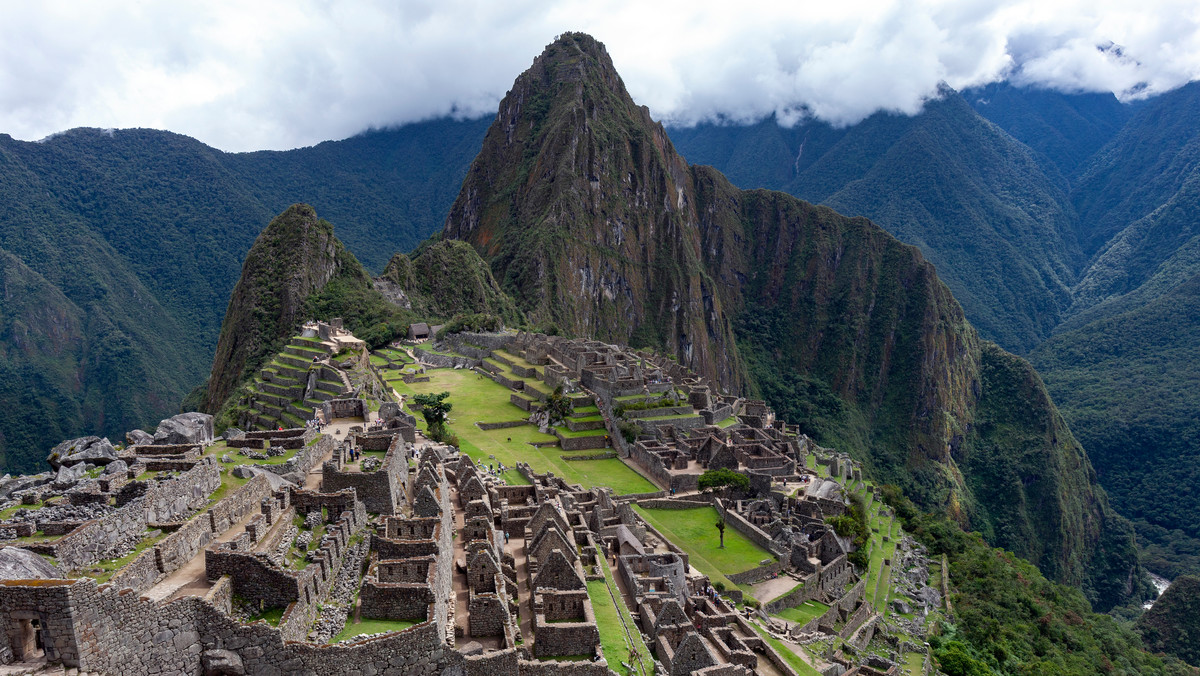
523, 591
189, 579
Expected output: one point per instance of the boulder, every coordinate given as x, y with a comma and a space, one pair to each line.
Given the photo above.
21, 564
294, 477
242, 472
100, 452
75, 447
222, 663
185, 428
900, 606
116, 467
12, 485
226, 458
277, 482
138, 438
68, 476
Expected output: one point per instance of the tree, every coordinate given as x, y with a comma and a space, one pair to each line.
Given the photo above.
436, 411
558, 406
721, 530
715, 478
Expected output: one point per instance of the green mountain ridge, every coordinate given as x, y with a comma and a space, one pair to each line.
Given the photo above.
142, 233
591, 220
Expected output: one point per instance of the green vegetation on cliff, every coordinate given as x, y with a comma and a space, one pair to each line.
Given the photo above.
135, 238
1009, 619
444, 278
1172, 624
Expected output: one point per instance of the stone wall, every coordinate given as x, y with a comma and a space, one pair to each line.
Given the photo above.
752, 532
501, 425
100, 538
443, 360
175, 499
755, 575
582, 443
379, 491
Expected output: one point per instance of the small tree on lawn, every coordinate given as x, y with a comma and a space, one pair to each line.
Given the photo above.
436, 411
715, 478
721, 530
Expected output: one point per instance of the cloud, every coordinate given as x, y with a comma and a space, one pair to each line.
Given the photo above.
284, 73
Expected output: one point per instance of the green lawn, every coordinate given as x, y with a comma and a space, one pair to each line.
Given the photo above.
613, 640
482, 399
805, 612
371, 627
728, 422
914, 663
694, 531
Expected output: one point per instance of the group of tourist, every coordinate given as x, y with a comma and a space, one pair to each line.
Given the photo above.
315, 424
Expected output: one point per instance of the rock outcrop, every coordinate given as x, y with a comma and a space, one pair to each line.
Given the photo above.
84, 449
21, 564
185, 428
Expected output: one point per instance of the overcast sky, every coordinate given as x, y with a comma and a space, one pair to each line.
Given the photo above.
256, 74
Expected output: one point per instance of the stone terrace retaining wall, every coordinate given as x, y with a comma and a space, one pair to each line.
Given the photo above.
443, 360
501, 425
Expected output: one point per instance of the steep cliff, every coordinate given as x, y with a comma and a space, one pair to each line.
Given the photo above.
591, 220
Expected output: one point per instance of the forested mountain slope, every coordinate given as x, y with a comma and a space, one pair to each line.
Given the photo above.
133, 239
592, 221
1123, 366
976, 202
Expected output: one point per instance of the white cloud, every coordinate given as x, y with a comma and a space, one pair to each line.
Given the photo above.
282, 73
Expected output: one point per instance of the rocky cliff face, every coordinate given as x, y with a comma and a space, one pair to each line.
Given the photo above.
295, 256
591, 221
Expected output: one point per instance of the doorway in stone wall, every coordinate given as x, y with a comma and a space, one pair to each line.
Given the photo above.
30, 641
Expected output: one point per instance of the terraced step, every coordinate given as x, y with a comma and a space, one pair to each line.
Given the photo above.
301, 363
300, 410
291, 420
305, 353
322, 395
291, 392
290, 371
